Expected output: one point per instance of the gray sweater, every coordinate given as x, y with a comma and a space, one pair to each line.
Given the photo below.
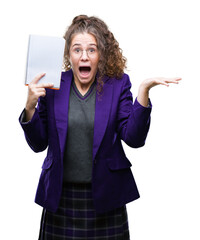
79, 144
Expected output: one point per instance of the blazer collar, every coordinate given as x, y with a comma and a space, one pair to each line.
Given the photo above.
61, 104
102, 111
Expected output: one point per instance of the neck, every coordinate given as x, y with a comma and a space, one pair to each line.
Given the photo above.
83, 88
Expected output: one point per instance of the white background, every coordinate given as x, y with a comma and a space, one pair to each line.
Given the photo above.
159, 38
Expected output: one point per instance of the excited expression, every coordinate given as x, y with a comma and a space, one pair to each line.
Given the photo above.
84, 58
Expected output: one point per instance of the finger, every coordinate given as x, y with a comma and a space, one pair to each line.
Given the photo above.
41, 94
35, 92
37, 78
178, 79
172, 79
44, 85
163, 83
41, 90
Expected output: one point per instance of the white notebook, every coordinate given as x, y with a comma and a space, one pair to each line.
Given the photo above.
45, 55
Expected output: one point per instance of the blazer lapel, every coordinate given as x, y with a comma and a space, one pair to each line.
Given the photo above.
61, 103
102, 110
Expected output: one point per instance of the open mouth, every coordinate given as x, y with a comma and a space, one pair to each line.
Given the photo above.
84, 70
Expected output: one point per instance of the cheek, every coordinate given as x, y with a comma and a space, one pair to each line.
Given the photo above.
96, 62
73, 62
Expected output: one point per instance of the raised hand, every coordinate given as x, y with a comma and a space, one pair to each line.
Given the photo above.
151, 82
147, 84
35, 91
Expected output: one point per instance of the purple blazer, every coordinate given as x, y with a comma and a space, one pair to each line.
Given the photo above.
116, 118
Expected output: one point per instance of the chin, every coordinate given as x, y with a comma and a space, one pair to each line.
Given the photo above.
86, 82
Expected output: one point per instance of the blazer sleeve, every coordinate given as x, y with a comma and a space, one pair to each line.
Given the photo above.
133, 118
35, 130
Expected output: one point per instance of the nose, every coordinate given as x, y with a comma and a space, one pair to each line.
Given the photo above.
84, 55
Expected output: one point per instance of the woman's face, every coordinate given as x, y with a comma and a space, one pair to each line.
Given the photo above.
84, 58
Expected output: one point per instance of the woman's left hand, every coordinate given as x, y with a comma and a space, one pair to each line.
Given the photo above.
151, 82
147, 84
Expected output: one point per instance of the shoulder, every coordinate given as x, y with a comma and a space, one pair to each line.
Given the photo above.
66, 75
124, 81
118, 86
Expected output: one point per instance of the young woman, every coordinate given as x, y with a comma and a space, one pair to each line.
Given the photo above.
86, 180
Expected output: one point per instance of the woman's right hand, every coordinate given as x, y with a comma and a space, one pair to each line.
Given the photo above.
34, 92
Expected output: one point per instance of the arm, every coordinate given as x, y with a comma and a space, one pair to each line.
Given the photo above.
133, 119
146, 85
34, 120
35, 130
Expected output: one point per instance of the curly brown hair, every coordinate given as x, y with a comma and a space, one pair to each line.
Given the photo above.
111, 63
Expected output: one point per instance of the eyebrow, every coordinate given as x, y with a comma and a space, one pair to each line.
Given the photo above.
78, 44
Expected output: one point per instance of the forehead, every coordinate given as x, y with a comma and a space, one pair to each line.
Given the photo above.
83, 39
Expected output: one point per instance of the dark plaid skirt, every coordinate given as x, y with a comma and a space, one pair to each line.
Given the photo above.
76, 218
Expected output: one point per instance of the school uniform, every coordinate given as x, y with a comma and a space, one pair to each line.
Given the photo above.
84, 188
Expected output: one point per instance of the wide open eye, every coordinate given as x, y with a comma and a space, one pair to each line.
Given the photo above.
77, 50
91, 50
